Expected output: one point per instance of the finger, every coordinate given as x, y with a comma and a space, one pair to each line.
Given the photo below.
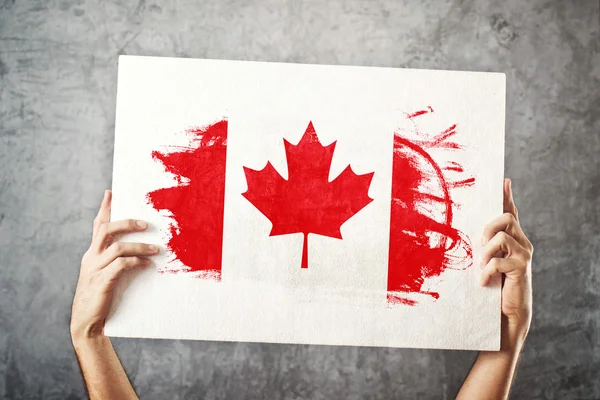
505, 223
104, 212
504, 243
509, 202
108, 230
125, 249
115, 268
504, 265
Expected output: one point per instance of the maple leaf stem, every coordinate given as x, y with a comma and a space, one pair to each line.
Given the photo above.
305, 251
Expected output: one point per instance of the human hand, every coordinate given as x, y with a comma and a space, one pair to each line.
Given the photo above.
507, 250
101, 266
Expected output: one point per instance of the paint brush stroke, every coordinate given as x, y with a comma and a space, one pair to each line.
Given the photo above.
423, 242
196, 203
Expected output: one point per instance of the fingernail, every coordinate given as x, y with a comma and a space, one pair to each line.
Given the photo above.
141, 224
483, 240
153, 247
145, 261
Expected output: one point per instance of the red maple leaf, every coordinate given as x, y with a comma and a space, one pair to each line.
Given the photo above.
307, 202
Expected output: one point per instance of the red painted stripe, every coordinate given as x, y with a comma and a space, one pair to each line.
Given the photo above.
197, 202
419, 242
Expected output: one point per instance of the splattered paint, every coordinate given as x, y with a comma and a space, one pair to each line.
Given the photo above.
307, 202
423, 242
196, 203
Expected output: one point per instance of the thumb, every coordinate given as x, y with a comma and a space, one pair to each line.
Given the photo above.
509, 203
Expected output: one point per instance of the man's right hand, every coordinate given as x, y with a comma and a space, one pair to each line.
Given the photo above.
101, 266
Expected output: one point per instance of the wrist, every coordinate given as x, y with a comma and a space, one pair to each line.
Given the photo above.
85, 343
513, 335
86, 333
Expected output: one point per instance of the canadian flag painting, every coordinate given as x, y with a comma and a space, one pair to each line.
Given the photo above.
308, 204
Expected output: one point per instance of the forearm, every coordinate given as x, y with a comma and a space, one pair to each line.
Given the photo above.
104, 375
492, 374
507, 251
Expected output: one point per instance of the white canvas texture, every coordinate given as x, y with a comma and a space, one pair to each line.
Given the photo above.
264, 295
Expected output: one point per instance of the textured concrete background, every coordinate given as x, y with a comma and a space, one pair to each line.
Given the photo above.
58, 72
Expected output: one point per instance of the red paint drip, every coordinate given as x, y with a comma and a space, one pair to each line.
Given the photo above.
443, 136
420, 112
453, 166
197, 202
394, 299
465, 182
448, 145
440, 140
423, 242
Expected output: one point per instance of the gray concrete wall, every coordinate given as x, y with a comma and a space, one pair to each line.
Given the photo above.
58, 66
